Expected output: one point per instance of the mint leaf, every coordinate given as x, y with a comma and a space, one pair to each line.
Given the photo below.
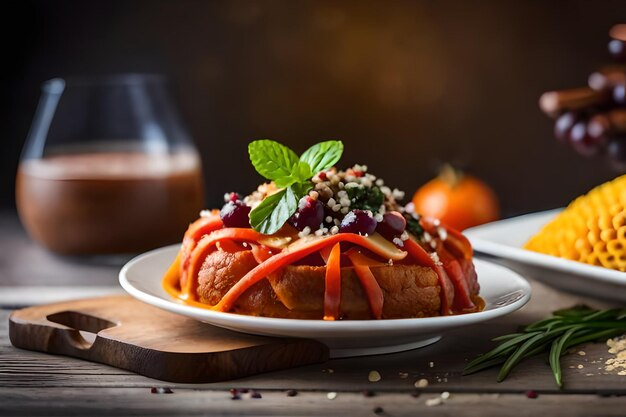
300, 173
323, 155
272, 213
271, 159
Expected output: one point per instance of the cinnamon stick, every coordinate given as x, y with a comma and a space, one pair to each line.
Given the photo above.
554, 103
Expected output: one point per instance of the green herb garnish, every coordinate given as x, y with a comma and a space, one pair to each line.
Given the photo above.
414, 227
280, 164
556, 334
365, 198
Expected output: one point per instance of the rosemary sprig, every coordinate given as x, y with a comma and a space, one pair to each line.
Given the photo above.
556, 334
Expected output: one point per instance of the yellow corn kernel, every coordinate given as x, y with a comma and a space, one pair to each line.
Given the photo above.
592, 229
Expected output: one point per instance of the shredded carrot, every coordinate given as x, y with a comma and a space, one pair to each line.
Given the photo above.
332, 291
203, 248
372, 290
288, 257
261, 253
197, 229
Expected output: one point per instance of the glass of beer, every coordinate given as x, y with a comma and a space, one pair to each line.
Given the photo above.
108, 167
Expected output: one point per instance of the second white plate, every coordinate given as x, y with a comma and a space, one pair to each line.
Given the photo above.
503, 290
503, 242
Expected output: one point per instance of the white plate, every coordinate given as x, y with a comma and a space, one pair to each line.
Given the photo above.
503, 242
503, 290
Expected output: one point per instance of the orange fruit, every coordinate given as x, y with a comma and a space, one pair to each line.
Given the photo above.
458, 200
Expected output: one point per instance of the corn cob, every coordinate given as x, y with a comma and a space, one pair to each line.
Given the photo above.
592, 229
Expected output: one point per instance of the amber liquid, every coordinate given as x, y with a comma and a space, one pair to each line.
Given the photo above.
109, 203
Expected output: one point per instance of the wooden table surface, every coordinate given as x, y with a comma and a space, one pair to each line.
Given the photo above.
34, 383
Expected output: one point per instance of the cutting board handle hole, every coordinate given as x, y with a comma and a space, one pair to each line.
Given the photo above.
85, 327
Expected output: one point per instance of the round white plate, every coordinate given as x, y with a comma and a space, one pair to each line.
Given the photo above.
503, 290
503, 242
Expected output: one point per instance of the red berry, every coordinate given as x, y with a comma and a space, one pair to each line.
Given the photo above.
393, 225
310, 214
358, 221
235, 214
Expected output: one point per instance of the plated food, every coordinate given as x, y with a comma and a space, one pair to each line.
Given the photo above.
321, 243
592, 229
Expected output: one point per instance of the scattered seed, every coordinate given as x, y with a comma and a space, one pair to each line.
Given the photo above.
445, 395
422, 383
378, 410
431, 402
431, 364
582, 353
374, 376
292, 393
255, 394
403, 375
368, 393
244, 390
580, 367
161, 390
415, 394
331, 395
531, 394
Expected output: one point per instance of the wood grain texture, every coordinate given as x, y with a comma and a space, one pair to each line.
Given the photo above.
135, 336
140, 401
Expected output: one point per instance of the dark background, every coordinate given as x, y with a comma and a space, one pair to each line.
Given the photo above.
405, 85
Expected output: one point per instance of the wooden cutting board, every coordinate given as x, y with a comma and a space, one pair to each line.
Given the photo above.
123, 332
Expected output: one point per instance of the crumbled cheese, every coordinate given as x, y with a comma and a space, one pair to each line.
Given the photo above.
398, 242
410, 208
436, 222
205, 213
445, 395
378, 217
404, 235
344, 210
226, 197
380, 182
385, 190
331, 395
336, 207
443, 233
374, 376
314, 195
342, 194
334, 230
319, 232
344, 201
427, 237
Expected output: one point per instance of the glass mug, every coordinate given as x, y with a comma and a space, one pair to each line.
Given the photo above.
107, 167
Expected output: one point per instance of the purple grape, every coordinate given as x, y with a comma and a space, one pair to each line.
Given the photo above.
619, 94
617, 49
235, 213
310, 214
563, 126
584, 144
393, 225
616, 151
358, 221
